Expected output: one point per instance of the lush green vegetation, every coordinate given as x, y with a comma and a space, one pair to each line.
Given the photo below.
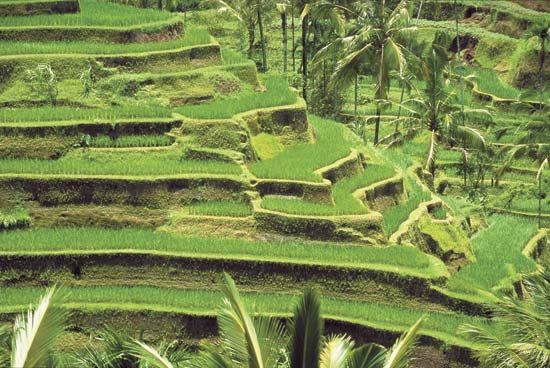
86, 162
92, 13
131, 141
395, 258
498, 253
332, 142
192, 37
342, 193
221, 208
277, 94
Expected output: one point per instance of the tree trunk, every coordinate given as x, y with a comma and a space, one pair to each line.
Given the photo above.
251, 39
285, 40
159, 4
262, 39
356, 94
293, 43
542, 53
305, 20
377, 125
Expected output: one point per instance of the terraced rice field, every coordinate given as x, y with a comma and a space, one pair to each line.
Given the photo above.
145, 151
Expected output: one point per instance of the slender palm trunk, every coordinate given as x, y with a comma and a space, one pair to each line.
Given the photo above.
458, 60
542, 53
262, 39
356, 94
285, 40
251, 40
293, 42
159, 4
377, 125
305, 21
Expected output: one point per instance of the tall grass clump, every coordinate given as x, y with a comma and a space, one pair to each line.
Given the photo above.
62, 113
333, 142
220, 208
342, 193
498, 256
92, 13
77, 240
395, 215
14, 219
84, 162
126, 141
192, 37
277, 94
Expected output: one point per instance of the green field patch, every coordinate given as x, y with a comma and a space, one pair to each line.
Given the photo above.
192, 37
92, 13
395, 215
298, 162
277, 94
84, 162
498, 253
126, 141
398, 259
342, 193
220, 208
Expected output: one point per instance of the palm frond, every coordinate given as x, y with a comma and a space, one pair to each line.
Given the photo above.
210, 359
399, 354
368, 356
237, 329
270, 332
470, 137
35, 333
306, 329
336, 352
430, 161
149, 355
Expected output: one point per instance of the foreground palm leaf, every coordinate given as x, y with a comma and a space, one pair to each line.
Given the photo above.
306, 331
35, 333
399, 354
525, 341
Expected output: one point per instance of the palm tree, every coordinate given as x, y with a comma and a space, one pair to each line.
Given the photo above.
246, 12
436, 109
375, 39
254, 341
525, 340
282, 8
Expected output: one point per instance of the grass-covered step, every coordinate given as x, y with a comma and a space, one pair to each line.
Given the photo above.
96, 21
14, 218
396, 274
499, 258
277, 93
135, 163
440, 326
155, 192
343, 194
69, 59
37, 7
333, 141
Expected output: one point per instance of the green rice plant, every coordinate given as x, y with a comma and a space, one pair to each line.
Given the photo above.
220, 208
192, 37
498, 252
344, 202
104, 141
134, 163
489, 82
277, 94
62, 113
298, 162
439, 213
441, 325
92, 13
402, 259
395, 215
14, 219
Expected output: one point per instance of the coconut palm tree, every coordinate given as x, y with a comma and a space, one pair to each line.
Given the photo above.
374, 40
282, 8
246, 12
525, 340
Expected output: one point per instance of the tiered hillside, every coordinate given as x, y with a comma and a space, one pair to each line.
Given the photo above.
139, 159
